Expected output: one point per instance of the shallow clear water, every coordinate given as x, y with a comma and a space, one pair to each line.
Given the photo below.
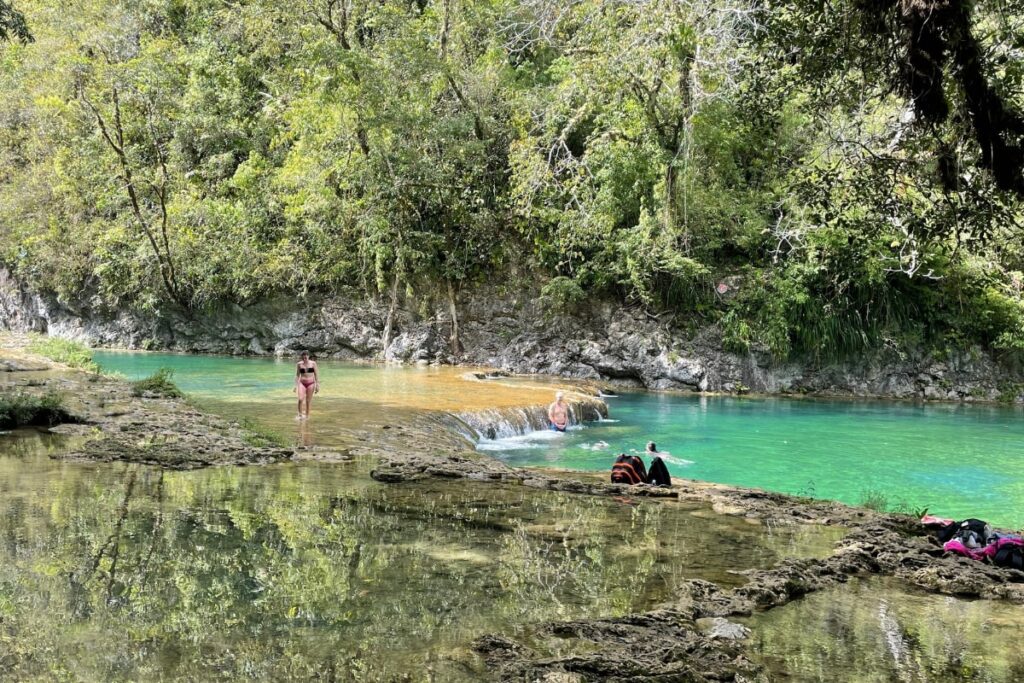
352, 396
878, 631
315, 571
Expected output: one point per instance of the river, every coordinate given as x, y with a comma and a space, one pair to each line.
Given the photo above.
958, 460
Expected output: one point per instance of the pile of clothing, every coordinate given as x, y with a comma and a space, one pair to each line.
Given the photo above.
975, 539
629, 469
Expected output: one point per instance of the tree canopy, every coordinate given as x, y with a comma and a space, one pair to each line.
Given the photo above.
849, 172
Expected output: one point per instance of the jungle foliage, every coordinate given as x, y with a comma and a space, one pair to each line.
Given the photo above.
815, 178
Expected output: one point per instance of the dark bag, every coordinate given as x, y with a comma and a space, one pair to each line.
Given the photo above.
658, 474
1009, 553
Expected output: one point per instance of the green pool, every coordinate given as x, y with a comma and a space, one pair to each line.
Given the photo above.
957, 460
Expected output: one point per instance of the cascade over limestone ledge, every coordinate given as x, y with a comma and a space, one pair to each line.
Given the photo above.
509, 330
498, 423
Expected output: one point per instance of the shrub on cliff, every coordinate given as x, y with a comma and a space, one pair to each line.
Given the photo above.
561, 295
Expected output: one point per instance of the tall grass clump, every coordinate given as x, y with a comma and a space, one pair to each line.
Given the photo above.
873, 499
160, 384
71, 353
25, 410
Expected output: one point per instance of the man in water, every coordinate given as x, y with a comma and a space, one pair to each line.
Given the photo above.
558, 413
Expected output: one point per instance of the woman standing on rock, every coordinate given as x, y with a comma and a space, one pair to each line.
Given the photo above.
307, 383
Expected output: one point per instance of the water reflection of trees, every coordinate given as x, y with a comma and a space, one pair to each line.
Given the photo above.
884, 631
123, 572
127, 572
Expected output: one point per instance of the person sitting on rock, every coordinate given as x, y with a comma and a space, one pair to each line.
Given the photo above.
629, 469
558, 413
658, 474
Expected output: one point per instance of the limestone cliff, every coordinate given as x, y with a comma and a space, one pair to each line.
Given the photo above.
511, 330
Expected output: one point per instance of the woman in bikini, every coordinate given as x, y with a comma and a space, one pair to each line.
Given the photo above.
307, 383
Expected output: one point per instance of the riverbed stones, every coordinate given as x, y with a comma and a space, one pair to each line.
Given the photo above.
718, 628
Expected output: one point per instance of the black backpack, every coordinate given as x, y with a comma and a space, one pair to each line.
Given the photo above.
1009, 554
658, 474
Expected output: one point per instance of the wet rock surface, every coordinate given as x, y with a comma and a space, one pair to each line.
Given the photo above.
692, 638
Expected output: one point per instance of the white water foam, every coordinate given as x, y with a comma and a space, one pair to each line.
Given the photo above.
535, 439
672, 460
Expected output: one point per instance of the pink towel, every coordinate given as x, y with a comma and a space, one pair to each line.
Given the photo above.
932, 520
955, 546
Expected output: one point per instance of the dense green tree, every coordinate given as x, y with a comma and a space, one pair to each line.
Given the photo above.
12, 24
850, 172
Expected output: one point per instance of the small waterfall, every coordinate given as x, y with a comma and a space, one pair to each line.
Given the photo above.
500, 423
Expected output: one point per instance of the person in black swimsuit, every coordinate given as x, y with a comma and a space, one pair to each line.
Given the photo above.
307, 383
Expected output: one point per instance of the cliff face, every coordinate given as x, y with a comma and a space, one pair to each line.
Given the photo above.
511, 331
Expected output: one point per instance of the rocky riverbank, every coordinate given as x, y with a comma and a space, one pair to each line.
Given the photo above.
116, 425
695, 637
512, 330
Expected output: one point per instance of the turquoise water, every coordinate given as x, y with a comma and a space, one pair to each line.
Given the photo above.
957, 460
352, 396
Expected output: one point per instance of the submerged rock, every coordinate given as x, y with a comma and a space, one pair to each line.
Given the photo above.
719, 628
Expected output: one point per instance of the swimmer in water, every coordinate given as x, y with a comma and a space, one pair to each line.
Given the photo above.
558, 413
307, 383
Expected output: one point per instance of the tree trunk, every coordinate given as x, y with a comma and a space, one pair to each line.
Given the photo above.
670, 195
456, 346
389, 322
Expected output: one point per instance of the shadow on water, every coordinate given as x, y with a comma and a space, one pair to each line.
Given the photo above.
118, 572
